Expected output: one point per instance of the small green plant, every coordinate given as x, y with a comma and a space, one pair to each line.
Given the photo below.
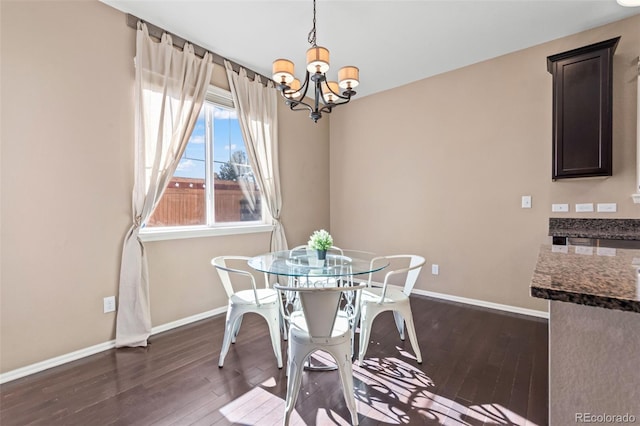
320, 240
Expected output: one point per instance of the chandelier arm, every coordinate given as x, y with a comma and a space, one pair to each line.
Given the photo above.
305, 106
290, 100
344, 101
305, 86
350, 93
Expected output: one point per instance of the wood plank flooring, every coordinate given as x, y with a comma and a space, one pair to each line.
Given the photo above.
479, 367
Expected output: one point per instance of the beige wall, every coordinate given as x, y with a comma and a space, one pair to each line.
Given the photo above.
67, 174
438, 167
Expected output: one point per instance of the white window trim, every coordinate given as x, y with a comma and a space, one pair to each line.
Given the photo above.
183, 232
161, 233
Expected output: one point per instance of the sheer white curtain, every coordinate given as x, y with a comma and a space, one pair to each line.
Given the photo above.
169, 91
258, 116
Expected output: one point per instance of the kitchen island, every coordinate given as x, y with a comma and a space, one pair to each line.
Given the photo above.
594, 327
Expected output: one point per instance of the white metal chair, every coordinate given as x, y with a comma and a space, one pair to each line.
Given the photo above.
321, 324
375, 300
262, 301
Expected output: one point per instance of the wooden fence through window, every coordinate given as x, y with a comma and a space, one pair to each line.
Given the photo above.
184, 203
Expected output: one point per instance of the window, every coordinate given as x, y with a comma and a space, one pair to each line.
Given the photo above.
213, 185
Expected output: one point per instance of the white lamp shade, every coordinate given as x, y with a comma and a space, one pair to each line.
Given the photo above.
318, 60
326, 93
293, 92
283, 71
349, 77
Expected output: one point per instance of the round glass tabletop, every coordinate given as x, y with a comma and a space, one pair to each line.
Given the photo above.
304, 262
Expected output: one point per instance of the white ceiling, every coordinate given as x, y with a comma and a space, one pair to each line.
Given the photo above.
392, 42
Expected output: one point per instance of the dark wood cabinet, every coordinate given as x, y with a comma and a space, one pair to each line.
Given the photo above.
582, 110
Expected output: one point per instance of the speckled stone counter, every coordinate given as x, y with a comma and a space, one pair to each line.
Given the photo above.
615, 229
594, 276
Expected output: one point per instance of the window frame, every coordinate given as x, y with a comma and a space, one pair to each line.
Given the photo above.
222, 98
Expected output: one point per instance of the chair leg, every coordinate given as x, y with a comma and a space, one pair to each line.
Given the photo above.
399, 323
294, 380
229, 328
236, 330
346, 376
283, 327
365, 334
412, 334
273, 321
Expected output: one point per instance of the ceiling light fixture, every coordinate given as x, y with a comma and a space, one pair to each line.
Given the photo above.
629, 3
327, 93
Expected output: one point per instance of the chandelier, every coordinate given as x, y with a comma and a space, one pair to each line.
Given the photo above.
326, 93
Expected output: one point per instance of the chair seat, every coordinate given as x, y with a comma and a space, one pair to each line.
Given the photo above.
245, 297
298, 325
393, 295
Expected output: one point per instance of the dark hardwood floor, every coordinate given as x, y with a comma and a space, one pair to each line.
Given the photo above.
480, 367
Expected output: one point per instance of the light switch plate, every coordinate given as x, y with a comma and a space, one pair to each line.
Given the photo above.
435, 269
560, 208
607, 207
584, 207
526, 201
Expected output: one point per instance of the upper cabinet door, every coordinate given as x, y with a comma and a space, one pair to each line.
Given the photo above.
582, 110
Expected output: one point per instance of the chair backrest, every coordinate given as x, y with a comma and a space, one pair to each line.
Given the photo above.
320, 306
221, 264
413, 270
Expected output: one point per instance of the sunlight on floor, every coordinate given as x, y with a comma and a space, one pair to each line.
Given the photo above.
494, 414
378, 381
255, 406
391, 379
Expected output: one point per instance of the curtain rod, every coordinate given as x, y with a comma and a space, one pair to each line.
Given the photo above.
155, 31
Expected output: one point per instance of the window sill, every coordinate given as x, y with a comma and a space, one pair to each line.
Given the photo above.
161, 234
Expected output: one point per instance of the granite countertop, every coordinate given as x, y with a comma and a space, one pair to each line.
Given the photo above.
594, 276
617, 229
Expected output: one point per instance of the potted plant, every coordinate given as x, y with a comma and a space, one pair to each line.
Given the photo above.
320, 241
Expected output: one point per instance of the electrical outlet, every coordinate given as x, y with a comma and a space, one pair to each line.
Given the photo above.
584, 250
109, 304
435, 269
560, 208
607, 207
584, 207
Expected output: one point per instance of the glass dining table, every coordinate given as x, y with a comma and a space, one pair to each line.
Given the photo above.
339, 264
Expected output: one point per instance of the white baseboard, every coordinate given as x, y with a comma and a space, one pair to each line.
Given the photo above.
188, 320
92, 350
484, 304
475, 302
54, 362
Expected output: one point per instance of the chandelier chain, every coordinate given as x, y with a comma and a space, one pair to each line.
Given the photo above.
311, 38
